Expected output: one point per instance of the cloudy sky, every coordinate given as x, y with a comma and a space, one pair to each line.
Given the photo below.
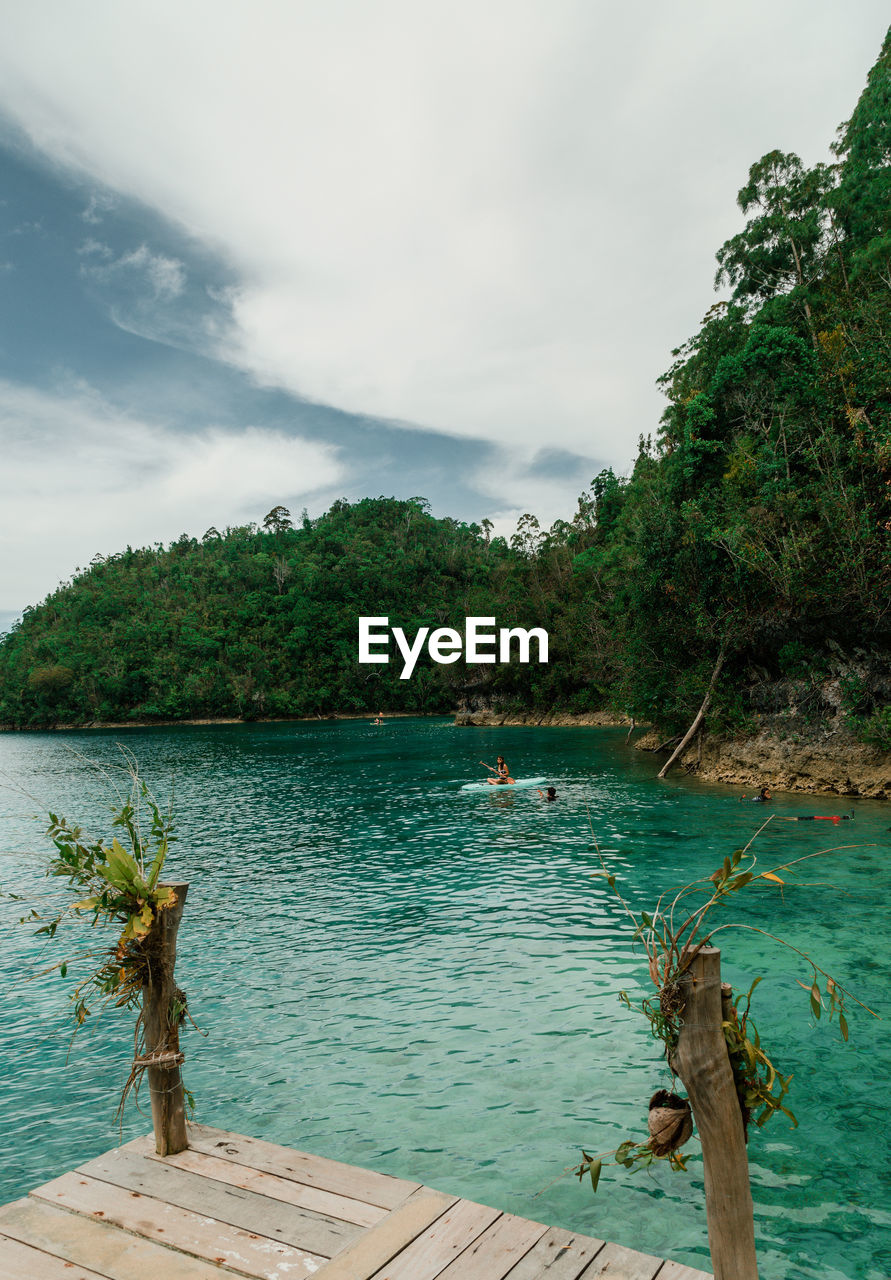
291, 250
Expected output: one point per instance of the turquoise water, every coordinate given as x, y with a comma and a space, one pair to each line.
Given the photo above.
402, 976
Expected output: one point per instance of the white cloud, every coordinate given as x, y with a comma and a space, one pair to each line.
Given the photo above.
515, 488
99, 205
95, 249
165, 277
80, 477
495, 219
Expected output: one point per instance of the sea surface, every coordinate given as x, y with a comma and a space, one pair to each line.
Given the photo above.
392, 973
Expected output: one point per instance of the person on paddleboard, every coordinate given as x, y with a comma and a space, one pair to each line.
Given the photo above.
501, 771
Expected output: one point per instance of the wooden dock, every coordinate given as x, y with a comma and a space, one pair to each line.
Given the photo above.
231, 1205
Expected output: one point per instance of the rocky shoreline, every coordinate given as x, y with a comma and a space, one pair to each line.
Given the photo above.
785, 757
559, 719
831, 763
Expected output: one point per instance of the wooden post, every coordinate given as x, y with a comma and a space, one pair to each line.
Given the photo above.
702, 1062
162, 1031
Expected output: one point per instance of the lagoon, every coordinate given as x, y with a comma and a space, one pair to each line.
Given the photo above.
399, 975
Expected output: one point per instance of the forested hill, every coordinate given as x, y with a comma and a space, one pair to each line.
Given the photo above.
755, 529
256, 622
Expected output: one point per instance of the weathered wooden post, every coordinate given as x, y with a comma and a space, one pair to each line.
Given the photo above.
702, 1062
162, 1056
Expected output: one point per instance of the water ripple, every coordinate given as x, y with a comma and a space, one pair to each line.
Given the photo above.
396, 974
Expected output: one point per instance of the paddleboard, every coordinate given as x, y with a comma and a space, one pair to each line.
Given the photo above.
520, 783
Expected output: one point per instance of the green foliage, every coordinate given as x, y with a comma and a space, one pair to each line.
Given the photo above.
50, 681
776, 252
249, 624
629, 1155
673, 933
759, 1086
855, 695
121, 888
794, 660
876, 729
862, 200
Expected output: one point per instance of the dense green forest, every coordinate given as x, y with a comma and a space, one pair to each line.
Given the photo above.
755, 527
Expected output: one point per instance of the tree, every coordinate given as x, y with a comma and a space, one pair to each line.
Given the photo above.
779, 250
862, 200
277, 520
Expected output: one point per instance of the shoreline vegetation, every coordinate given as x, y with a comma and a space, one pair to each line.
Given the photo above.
737, 581
210, 720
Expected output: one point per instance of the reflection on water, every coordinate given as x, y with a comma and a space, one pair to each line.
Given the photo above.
399, 975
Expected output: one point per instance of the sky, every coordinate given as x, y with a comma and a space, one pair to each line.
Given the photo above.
287, 251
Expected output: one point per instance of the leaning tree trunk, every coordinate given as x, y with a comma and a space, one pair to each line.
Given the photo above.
161, 1018
702, 1062
688, 736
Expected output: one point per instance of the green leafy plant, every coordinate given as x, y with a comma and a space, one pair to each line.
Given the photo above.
796, 660
875, 729
673, 934
855, 694
116, 882
121, 888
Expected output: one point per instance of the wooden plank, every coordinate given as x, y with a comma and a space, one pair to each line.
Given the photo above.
292, 1225
440, 1244
314, 1171
244, 1251
113, 1253
617, 1263
559, 1255
18, 1260
379, 1245
675, 1271
496, 1251
267, 1184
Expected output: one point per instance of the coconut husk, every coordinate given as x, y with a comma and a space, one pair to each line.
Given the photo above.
669, 1121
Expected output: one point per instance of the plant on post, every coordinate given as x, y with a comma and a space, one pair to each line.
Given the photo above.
117, 883
713, 1045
